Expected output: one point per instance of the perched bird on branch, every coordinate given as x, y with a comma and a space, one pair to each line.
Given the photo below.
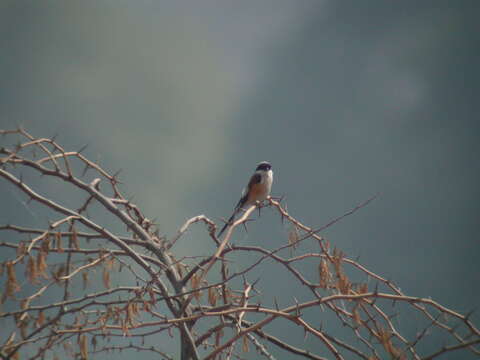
258, 189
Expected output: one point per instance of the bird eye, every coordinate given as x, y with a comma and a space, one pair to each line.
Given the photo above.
265, 166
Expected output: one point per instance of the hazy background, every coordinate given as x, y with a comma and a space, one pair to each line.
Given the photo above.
345, 98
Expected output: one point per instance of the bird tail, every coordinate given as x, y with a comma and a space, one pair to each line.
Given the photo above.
227, 224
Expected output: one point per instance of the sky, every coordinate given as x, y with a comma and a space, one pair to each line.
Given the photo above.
346, 99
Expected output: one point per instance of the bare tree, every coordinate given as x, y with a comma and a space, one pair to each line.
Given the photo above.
53, 304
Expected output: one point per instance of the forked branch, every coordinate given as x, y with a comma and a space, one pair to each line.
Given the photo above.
218, 302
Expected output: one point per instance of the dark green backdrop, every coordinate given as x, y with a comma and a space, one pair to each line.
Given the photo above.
345, 98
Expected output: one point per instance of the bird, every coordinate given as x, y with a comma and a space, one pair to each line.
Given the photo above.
257, 189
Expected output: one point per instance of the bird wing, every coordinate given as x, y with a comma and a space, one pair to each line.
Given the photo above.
246, 195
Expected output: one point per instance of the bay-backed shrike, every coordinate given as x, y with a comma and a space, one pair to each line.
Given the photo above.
258, 189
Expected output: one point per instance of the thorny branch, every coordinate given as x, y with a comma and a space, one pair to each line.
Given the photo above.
158, 293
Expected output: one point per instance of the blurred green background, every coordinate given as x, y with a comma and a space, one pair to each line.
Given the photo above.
345, 98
